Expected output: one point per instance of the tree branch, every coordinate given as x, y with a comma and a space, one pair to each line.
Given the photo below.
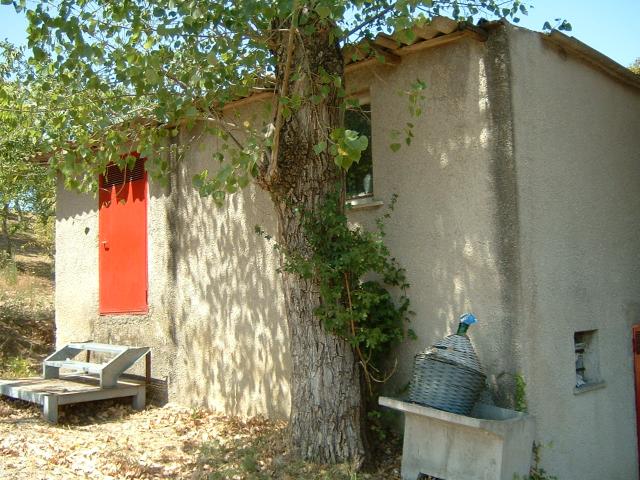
273, 164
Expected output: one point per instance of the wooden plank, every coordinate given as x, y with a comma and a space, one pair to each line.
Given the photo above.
69, 389
76, 365
100, 394
390, 59
254, 97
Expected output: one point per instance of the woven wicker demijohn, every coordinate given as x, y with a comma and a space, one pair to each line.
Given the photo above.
448, 375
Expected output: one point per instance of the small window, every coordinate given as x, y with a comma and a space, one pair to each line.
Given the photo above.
587, 360
360, 175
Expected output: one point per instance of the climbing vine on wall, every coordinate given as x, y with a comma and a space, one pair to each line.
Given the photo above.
356, 275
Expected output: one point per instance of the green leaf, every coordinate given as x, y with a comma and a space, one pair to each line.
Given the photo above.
320, 147
323, 11
395, 147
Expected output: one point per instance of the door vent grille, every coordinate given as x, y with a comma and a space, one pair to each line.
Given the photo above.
117, 176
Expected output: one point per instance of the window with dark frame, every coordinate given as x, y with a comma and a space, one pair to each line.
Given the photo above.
587, 362
360, 176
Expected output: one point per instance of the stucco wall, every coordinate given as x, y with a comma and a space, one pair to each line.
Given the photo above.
231, 333
215, 325
578, 170
216, 322
517, 201
77, 291
451, 228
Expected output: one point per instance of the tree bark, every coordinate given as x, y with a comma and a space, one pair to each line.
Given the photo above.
5, 230
326, 423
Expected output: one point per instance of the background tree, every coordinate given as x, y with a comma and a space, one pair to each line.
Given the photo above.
26, 189
635, 66
136, 71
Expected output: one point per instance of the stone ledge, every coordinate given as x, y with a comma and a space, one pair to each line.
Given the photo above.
589, 387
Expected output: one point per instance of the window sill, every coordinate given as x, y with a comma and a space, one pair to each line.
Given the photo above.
363, 203
589, 387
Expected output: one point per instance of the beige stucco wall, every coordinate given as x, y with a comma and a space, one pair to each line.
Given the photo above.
517, 201
215, 317
215, 322
230, 330
578, 171
77, 291
449, 225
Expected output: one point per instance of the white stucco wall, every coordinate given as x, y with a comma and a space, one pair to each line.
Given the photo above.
578, 170
215, 324
517, 201
231, 332
446, 227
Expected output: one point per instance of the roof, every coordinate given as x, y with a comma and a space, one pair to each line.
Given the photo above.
575, 47
389, 49
442, 30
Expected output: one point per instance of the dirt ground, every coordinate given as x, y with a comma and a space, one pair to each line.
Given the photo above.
26, 304
108, 440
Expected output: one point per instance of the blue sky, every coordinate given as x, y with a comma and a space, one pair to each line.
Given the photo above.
612, 27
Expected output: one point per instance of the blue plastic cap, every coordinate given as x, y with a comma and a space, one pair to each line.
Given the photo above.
468, 319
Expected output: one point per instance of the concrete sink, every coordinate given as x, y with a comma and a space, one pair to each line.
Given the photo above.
492, 444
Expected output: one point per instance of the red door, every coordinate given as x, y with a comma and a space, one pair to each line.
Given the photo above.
123, 240
636, 368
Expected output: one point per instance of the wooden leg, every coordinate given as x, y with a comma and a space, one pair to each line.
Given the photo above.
50, 410
140, 400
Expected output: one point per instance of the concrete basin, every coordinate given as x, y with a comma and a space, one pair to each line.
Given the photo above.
492, 444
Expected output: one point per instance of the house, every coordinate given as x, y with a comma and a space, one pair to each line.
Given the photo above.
518, 200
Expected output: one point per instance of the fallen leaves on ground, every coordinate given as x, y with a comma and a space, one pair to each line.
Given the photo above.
108, 440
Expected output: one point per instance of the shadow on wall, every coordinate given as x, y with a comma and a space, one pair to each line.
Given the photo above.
455, 225
231, 332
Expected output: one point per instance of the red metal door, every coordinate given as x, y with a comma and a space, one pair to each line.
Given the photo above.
636, 368
123, 240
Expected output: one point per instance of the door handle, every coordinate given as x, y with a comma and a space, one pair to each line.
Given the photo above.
105, 245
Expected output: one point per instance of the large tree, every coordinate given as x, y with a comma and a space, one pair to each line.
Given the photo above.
145, 68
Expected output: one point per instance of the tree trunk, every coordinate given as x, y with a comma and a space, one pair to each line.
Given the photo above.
326, 423
5, 230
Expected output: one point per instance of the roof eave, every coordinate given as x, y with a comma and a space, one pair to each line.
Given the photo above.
575, 47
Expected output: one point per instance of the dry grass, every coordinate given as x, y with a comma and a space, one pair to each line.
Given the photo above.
108, 440
26, 306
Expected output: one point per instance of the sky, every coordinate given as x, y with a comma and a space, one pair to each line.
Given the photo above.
611, 27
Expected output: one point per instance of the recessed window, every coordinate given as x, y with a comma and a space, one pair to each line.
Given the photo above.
360, 175
587, 360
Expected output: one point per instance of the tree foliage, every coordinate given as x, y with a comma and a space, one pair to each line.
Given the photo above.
135, 74
25, 186
133, 71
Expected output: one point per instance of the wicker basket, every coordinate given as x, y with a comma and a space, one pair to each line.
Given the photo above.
448, 376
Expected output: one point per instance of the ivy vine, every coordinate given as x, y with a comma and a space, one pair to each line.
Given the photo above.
356, 275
